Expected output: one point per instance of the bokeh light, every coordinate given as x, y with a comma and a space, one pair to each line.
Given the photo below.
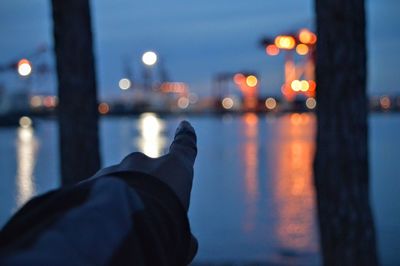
36, 101
302, 49
311, 103
227, 103
124, 84
295, 85
104, 108
272, 50
24, 67
307, 37
385, 102
149, 58
304, 85
270, 103
183, 102
239, 78
285, 42
251, 81
25, 122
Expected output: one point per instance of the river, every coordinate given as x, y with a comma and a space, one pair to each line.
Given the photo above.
253, 197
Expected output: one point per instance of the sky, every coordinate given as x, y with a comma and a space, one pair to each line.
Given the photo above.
195, 39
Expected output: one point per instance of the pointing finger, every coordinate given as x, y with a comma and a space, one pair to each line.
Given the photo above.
185, 142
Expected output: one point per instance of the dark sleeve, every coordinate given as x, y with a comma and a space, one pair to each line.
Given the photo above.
122, 219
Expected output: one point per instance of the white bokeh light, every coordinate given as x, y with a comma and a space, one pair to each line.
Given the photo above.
149, 58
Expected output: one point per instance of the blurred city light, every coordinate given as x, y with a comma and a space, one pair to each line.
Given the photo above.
24, 67
251, 81
312, 85
174, 87
239, 78
149, 58
270, 103
36, 101
385, 102
304, 85
311, 103
300, 85
104, 108
124, 84
295, 85
307, 37
50, 101
25, 122
272, 50
227, 103
302, 49
183, 102
285, 42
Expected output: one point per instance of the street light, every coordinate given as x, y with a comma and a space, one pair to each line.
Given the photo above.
149, 58
24, 67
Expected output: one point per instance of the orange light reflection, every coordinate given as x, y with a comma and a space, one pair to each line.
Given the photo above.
250, 151
293, 190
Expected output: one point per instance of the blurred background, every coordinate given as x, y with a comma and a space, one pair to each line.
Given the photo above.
243, 75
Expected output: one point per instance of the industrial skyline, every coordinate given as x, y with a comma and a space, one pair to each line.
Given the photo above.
196, 40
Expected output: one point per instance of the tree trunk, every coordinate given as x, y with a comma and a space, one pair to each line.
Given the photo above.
77, 109
341, 172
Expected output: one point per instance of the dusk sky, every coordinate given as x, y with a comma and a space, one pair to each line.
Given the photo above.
195, 39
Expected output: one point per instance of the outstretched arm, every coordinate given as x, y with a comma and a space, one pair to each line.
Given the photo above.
132, 213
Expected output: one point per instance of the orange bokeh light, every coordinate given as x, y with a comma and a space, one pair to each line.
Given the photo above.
307, 37
251, 81
104, 108
239, 78
312, 85
272, 49
302, 49
285, 42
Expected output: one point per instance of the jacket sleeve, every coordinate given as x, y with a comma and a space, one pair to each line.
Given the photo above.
120, 218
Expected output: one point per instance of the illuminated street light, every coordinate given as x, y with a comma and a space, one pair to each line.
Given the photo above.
124, 84
149, 58
285, 42
24, 67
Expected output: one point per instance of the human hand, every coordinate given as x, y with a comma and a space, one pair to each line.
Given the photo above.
175, 168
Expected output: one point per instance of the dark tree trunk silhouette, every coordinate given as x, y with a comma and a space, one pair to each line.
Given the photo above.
77, 110
341, 164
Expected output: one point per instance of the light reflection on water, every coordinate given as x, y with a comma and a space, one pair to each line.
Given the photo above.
151, 140
252, 197
293, 191
26, 150
250, 159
